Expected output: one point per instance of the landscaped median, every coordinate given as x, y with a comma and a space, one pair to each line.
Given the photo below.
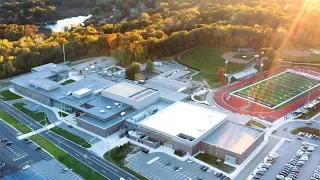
254, 123
118, 154
66, 159
70, 136
306, 130
41, 117
215, 162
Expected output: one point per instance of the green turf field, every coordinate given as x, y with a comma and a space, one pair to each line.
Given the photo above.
278, 90
208, 59
243, 56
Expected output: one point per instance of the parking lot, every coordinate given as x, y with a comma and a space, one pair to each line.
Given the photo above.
23, 162
160, 166
286, 152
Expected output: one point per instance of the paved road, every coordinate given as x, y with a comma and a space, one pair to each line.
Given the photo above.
296, 124
98, 164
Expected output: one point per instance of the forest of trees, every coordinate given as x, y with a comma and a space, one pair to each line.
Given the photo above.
167, 29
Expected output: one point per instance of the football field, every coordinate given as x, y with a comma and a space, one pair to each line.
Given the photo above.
279, 89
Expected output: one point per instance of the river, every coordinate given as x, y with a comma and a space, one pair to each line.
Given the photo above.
59, 26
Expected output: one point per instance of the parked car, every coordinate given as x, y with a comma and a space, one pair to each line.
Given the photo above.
63, 170
9, 143
26, 167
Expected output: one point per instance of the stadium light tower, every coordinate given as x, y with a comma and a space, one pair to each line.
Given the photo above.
261, 64
225, 70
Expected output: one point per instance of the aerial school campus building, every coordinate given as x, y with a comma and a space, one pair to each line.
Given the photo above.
150, 114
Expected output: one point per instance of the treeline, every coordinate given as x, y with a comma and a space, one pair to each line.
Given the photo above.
28, 11
167, 29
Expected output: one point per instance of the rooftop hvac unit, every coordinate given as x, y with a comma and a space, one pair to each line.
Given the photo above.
96, 92
153, 111
108, 107
139, 117
102, 111
122, 113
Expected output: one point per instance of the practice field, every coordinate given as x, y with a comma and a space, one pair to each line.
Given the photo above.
208, 59
280, 89
313, 58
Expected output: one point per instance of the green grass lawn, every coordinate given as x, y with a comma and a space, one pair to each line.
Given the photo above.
208, 59
69, 81
306, 130
313, 58
257, 124
66, 159
13, 122
63, 114
40, 117
207, 158
244, 56
72, 137
211, 79
117, 156
6, 95
201, 97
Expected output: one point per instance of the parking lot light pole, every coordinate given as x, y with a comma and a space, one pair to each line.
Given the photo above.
261, 64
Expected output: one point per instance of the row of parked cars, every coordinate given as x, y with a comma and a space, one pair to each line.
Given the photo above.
316, 174
307, 135
292, 169
265, 165
209, 170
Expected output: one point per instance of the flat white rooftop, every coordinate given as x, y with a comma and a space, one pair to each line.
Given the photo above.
125, 89
184, 118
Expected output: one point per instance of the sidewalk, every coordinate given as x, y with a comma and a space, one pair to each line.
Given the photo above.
45, 128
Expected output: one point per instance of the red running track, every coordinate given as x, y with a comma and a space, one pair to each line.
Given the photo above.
241, 106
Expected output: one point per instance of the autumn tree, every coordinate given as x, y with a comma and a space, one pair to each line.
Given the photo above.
132, 70
149, 66
221, 75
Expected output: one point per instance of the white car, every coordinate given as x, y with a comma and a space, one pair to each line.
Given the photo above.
288, 139
299, 133
189, 161
26, 167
